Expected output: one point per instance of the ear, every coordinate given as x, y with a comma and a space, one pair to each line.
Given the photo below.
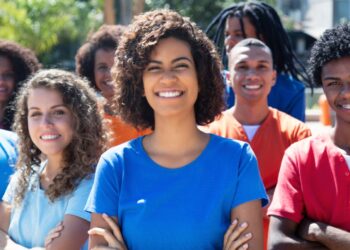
274, 77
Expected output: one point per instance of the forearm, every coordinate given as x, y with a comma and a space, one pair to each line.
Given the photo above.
285, 242
6, 243
332, 237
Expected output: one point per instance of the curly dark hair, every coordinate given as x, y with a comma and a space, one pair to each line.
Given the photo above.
88, 142
268, 28
333, 44
133, 55
107, 38
24, 63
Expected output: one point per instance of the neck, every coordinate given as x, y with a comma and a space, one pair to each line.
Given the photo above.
341, 135
250, 114
176, 138
53, 167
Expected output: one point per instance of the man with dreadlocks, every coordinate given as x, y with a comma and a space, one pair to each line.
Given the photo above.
259, 20
310, 208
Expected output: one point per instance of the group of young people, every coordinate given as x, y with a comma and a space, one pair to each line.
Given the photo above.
176, 179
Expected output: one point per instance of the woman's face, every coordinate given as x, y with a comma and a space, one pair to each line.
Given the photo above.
170, 78
50, 122
7, 80
104, 59
234, 33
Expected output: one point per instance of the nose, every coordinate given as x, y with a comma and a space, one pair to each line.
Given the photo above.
47, 120
230, 42
168, 77
252, 73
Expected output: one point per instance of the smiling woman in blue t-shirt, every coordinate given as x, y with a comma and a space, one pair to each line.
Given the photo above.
177, 188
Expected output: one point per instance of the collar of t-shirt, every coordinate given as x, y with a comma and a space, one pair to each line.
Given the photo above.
346, 156
250, 130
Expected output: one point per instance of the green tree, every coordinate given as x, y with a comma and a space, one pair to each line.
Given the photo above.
46, 26
200, 11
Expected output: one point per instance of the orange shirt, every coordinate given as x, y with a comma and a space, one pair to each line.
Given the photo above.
121, 131
277, 132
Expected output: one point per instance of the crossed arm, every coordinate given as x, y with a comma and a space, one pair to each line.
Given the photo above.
72, 236
245, 231
288, 235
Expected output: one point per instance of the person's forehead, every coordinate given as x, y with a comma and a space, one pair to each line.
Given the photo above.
250, 51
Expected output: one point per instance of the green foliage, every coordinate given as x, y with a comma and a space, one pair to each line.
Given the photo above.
200, 11
42, 25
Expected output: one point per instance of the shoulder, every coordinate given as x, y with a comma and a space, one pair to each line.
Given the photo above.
123, 150
312, 146
288, 122
231, 146
8, 136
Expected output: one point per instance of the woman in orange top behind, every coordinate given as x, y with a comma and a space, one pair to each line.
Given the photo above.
94, 60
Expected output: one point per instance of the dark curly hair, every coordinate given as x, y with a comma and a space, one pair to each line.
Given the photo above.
107, 38
133, 55
24, 63
268, 28
88, 142
333, 44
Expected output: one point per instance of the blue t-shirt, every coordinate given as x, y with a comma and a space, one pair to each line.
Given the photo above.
8, 158
182, 208
287, 95
36, 216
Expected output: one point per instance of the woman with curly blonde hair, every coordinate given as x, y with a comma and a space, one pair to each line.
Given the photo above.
60, 138
177, 188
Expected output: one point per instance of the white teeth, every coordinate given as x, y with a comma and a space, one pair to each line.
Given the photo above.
49, 137
346, 106
252, 86
169, 94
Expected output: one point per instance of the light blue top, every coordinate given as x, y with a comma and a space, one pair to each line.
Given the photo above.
287, 95
182, 208
8, 158
36, 216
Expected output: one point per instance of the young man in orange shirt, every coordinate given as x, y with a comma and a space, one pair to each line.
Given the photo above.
268, 130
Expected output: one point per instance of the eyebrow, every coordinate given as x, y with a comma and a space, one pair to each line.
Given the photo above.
53, 107
173, 61
260, 61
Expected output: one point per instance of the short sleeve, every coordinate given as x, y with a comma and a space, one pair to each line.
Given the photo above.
10, 190
78, 200
104, 196
288, 200
249, 186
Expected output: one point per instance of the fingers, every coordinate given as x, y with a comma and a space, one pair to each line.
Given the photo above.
229, 231
107, 235
53, 234
114, 227
235, 238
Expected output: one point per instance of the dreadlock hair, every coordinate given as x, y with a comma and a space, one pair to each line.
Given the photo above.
268, 28
333, 44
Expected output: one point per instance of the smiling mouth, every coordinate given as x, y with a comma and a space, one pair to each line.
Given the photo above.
49, 137
252, 86
169, 94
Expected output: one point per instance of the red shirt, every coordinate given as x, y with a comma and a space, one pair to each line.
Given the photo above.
314, 182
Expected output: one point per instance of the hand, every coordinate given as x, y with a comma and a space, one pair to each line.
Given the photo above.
53, 234
308, 230
114, 238
234, 237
